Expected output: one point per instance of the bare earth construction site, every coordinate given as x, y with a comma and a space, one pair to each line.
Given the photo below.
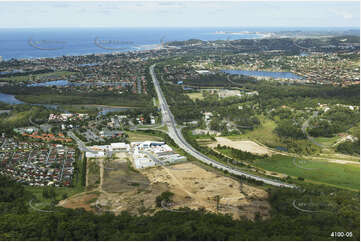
113, 185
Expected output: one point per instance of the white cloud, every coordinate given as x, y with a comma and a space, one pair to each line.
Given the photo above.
344, 14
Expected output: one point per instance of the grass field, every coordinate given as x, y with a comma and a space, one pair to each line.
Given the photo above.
59, 191
195, 95
121, 178
136, 136
164, 128
93, 173
327, 141
340, 175
263, 134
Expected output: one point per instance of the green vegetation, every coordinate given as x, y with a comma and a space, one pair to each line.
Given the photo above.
20, 115
54, 194
287, 129
27, 76
134, 136
93, 173
165, 196
195, 95
300, 96
336, 120
327, 141
349, 147
89, 109
49, 95
341, 175
132, 100
264, 133
238, 154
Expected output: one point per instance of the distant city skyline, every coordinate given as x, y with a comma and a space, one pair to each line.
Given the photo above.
179, 14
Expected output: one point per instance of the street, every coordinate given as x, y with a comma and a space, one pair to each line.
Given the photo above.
176, 134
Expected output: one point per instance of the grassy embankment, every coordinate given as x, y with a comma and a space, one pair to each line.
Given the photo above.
345, 176
263, 134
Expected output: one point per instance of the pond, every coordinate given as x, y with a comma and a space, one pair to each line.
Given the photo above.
9, 99
88, 64
106, 110
272, 74
51, 83
280, 148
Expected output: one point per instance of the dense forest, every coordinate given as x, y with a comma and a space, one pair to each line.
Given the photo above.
339, 213
336, 120
349, 147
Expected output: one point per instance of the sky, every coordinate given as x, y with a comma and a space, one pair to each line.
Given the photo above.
179, 14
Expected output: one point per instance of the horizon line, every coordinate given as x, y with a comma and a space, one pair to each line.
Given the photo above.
79, 27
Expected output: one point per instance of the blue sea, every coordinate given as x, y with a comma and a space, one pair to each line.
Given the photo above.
43, 42
38, 43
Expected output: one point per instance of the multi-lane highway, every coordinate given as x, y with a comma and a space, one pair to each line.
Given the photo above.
176, 134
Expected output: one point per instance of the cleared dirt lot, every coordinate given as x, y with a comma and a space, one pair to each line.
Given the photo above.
82, 200
244, 145
122, 188
118, 178
195, 187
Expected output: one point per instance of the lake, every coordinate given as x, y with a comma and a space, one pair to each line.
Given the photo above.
105, 110
50, 83
275, 75
88, 64
9, 99
280, 148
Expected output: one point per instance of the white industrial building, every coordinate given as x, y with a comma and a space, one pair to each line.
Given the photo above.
142, 160
145, 154
120, 146
100, 151
146, 144
152, 153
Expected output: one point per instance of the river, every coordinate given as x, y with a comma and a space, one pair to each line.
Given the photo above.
9, 99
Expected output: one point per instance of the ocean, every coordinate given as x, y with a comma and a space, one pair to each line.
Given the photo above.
38, 43
46, 42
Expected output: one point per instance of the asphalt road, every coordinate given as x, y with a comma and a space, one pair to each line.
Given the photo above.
305, 126
82, 147
176, 134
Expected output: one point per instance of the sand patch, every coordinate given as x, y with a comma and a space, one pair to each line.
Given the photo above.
195, 187
244, 145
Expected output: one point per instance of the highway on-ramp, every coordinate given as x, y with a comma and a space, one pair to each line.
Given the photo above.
176, 134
